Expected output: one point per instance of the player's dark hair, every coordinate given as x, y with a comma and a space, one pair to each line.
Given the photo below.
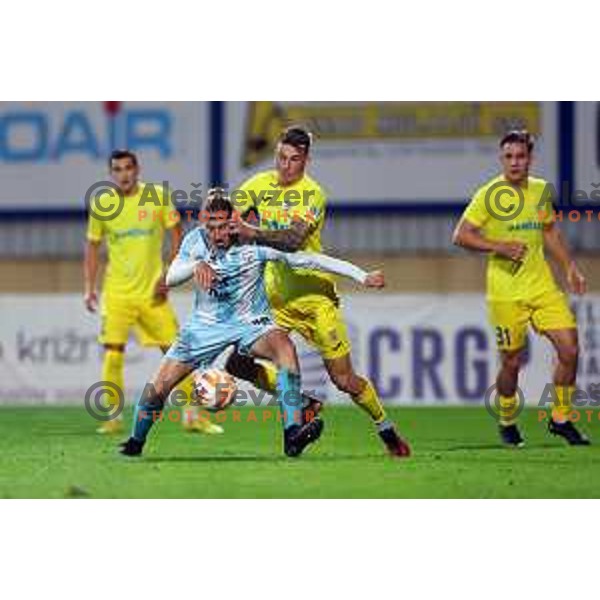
298, 137
518, 136
218, 203
120, 154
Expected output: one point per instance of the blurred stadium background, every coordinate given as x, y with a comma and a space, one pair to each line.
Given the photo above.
397, 175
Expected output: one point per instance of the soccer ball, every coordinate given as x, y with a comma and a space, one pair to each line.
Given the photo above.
214, 389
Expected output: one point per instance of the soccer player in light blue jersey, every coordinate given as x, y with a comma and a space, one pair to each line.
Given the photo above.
231, 309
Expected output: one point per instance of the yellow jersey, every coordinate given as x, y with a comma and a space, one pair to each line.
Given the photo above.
505, 214
134, 238
277, 207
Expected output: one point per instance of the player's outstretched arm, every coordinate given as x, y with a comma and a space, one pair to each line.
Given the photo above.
558, 249
328, 264
181, 271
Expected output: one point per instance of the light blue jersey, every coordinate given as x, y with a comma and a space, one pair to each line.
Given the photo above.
239, 292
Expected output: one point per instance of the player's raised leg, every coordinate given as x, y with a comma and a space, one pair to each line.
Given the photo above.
277, 347
364, 395
263, 375
565, 343
324, 327
150, 405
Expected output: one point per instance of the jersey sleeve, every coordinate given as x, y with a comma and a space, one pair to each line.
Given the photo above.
316, 210
95, 227
265, 254
310, 260
193, 247
180, 271
192, 250
546, 205
476, 211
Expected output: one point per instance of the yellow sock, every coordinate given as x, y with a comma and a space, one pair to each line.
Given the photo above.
369, 401
266, 378
562, 404
113, 367
508, 409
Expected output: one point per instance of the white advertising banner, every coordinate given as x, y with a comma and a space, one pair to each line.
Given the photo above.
418, 350
52, 152
391, 152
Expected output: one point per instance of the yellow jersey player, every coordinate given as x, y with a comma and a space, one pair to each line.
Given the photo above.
511, 219
132, 219
290, 209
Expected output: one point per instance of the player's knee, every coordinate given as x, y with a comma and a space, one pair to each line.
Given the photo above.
347, 382
511, 361
285, 352
568, 353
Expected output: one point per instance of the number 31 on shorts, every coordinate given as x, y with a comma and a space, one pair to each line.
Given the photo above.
503, 336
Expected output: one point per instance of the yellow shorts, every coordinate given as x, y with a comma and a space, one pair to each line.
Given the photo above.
319, 320
510, 319
154, 324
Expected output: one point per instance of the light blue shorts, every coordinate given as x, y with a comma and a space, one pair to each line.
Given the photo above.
199, 344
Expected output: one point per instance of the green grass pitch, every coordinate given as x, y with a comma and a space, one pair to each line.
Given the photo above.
54, 453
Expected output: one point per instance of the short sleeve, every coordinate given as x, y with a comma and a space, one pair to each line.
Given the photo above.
95, 228
193, 246
316, 208
546, 205
265, 254
476, 212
